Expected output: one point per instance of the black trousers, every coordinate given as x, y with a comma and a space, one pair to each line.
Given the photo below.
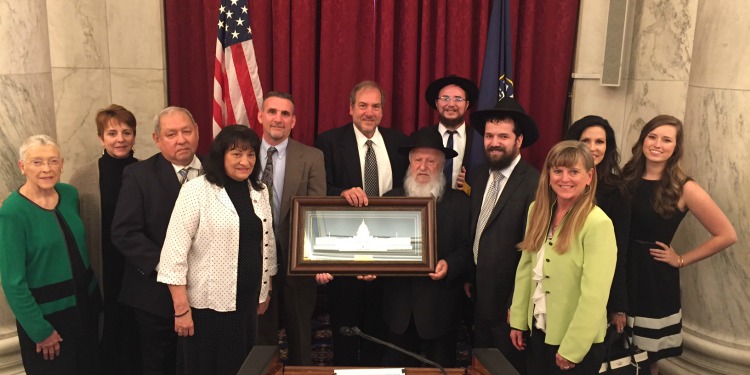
158, 343
357, 303
441, 349
542, 358
495, 333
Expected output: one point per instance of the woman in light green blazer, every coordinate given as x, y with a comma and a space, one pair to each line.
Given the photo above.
565, 273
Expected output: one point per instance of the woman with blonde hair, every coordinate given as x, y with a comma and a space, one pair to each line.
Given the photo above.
566, 269
662, 195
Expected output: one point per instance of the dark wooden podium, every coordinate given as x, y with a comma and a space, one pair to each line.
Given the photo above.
264, 360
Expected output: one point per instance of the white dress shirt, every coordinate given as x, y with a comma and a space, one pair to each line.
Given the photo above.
279, 168
385, 176
196, 169
201, 246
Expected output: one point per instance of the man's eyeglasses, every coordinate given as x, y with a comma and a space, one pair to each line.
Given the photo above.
447, 98
38, 163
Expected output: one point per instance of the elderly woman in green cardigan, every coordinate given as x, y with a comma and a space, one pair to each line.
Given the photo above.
44, 267
566, 269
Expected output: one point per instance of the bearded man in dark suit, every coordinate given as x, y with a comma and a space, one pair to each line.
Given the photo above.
502, 192
452, 96
423, 312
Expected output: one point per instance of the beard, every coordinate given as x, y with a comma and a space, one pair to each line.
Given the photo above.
503, 161
435, 187
451, 123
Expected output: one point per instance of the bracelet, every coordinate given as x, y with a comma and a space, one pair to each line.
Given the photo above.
681, 262
183, 314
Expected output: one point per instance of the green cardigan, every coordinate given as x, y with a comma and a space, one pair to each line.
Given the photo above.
577, 285
34, 266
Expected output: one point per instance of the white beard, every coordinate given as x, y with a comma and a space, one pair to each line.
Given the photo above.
434, 188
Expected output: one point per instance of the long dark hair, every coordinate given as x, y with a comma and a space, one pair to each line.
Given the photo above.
608, 171
667, 192
231, 137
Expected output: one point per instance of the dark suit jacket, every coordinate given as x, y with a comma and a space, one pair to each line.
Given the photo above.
474, 156
617, 207
147, 196
343, 170
506, 227
434, 304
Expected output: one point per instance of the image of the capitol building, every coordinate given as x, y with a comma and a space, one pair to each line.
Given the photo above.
363, 246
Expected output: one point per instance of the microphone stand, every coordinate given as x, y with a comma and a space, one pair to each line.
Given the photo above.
355, 331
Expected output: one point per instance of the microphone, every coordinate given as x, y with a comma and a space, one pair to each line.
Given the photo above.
355, 331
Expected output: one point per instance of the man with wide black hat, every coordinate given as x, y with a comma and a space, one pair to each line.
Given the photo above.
422, 312
452, 96
502, 191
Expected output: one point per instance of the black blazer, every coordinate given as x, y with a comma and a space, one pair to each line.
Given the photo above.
434, 304
474, 156
617, 206
343, 170
147, 196
506, 227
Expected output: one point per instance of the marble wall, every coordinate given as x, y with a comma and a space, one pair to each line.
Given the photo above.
689, 58
105, 52
26, 108
61, 62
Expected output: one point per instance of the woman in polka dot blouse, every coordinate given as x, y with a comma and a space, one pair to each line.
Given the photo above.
219, 256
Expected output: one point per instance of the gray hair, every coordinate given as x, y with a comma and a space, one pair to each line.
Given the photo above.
35, 140
167, 111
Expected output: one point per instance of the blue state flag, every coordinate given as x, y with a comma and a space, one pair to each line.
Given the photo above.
497, 71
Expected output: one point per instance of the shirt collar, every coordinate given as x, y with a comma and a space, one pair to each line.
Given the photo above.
280, 148
377, 138
461, 130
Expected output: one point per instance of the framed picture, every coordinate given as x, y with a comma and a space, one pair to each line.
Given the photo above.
391, 236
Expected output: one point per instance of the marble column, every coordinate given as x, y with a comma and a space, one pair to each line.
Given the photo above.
26, 108
715, 299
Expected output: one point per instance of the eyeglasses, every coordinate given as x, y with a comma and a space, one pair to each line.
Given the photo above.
38, 163
447, 98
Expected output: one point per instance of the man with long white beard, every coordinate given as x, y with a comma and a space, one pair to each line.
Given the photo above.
422, 312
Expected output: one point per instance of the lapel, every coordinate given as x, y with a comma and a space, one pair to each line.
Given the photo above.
480, 185
167, 177
514, 181
295, 165
350, 155
467, 147
221, 194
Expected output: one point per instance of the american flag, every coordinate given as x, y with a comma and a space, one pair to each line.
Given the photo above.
237, 91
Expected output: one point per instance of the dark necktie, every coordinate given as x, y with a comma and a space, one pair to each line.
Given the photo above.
372, 183
267, 177
448, 169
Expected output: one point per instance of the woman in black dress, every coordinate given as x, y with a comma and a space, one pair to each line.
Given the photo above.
662, 195
611, 196
98, 185
219, 256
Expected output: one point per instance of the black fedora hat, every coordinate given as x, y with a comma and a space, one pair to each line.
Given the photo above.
471, 90
427, 137
508, 106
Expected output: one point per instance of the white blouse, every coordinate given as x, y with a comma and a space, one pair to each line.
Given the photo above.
202, 243
540, 297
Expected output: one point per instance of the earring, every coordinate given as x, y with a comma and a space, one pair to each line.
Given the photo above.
587, 190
